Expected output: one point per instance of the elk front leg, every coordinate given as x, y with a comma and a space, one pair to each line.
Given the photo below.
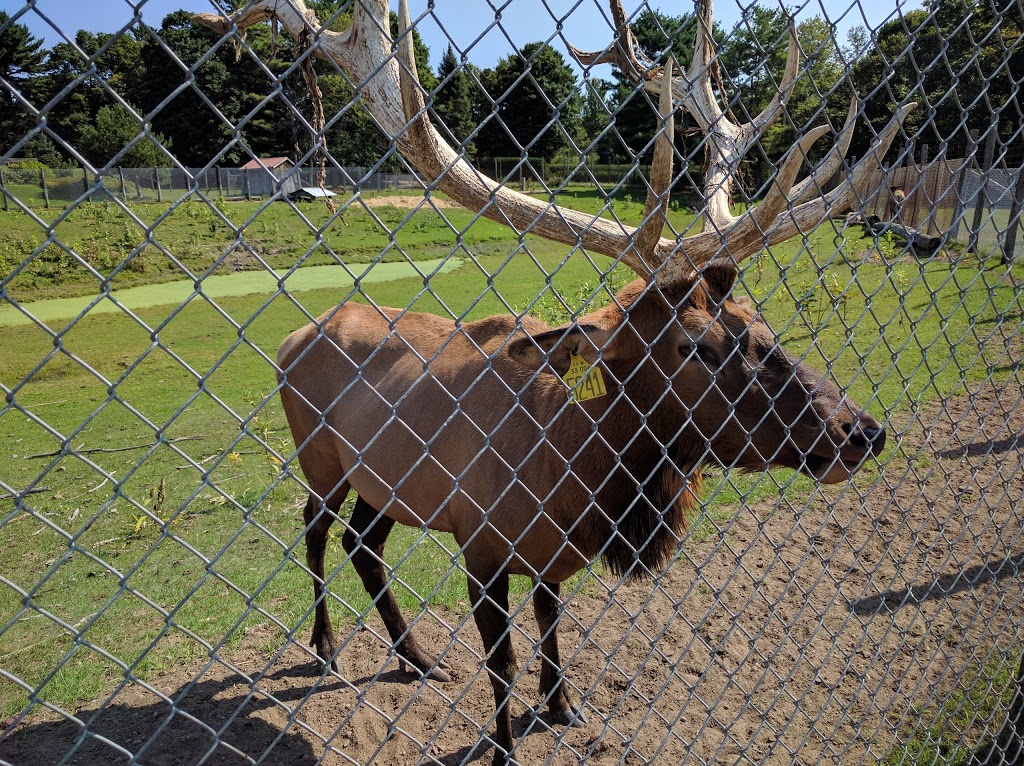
364, 540
318, 520
546, 606
489, 596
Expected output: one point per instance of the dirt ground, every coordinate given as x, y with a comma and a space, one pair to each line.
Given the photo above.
800, 634
409, 201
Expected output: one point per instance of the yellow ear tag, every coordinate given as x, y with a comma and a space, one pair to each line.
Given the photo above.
584, 382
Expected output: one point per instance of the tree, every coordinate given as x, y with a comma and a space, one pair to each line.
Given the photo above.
536, 106
93, 76
189, 120
112, 130
962, 60
753, 58
634, 112
21, 62
453, 99
596, 118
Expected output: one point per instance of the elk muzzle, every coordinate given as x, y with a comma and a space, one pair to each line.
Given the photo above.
849, 438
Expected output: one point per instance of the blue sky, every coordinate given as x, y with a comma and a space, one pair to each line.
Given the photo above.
469, 24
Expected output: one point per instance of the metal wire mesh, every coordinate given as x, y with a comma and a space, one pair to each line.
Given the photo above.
158, 546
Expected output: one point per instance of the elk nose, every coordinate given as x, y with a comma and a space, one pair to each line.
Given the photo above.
868, 438
875, 438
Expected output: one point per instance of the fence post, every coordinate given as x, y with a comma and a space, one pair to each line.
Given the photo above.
914, 171
156, 185
1010, 242
990, 152
959, 205
42, 184
245, 183
3, 188
120, 178
924, 176
220, 185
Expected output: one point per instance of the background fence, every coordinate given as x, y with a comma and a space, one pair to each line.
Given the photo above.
944, 195
155, 599
46, 186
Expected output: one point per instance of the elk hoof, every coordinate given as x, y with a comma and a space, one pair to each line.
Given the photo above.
425, 668
326, 649
570, 717
503, 758
566, 712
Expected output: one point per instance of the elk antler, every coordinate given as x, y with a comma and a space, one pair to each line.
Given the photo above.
728, 142
392, 93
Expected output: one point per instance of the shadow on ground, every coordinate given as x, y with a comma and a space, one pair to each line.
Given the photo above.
208, 721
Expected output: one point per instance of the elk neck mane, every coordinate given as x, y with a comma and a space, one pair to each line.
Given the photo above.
636, 533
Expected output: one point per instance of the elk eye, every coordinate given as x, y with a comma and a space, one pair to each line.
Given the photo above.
700, 351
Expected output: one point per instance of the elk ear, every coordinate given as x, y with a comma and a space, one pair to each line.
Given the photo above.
746, 302
555, 346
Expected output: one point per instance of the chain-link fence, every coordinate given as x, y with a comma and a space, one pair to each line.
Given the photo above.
631, 529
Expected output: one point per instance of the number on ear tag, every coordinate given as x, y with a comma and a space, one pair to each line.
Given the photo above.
584, 382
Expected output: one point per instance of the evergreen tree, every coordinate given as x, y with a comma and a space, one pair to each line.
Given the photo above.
537, 108
201, 112
21, 64
634, 111
453, 101
113, 129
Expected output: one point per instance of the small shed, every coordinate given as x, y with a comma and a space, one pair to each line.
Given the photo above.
310, 193
265, 176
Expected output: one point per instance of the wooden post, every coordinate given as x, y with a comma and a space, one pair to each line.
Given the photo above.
1010, 242
42, 183
120, 178
922, 191
3, 188
959, 208
245, 183
156, 185
220, 184
979, 209
913, 177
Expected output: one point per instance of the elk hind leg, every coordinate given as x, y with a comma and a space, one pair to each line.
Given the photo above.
319, 515
364, 540
563, 708
489, 596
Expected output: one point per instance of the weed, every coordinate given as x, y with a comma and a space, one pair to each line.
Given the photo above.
947, 732
556, 307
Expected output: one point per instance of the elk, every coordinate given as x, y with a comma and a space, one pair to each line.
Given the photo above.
468, 429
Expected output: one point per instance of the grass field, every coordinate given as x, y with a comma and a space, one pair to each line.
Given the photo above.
161, 523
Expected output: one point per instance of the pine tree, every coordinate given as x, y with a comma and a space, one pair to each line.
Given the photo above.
453, 101
21, 61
